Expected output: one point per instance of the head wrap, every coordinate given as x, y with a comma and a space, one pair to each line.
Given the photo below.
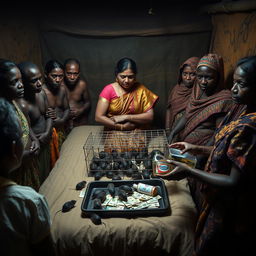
192, 63
214, 62
179, 94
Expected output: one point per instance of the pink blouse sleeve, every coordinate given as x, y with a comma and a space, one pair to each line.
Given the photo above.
108, 92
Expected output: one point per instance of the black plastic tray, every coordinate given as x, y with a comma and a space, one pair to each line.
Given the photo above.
87, 208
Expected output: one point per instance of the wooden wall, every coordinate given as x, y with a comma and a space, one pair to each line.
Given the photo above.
233, 37
19, 39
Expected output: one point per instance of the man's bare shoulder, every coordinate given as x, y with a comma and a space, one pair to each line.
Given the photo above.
82, 84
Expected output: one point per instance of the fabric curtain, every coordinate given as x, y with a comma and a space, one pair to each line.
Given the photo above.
158, 43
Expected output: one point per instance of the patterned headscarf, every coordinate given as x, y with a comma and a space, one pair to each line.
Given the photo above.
220, 102
214, 62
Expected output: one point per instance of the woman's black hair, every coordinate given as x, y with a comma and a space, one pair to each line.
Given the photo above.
248, 65
9, 128
125, 63
5, 67
52, 64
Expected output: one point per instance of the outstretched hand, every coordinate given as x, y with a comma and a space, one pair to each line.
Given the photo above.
185, 147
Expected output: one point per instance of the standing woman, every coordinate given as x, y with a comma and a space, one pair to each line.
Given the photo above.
11, 88
180, 93
226, 225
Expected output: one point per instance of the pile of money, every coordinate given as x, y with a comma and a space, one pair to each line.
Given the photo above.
135, 201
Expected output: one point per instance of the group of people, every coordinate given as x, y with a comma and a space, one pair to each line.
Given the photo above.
211, 122
36, 114
203, 118
48, 108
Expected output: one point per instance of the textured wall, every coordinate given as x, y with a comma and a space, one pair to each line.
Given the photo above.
234, 37
19, 40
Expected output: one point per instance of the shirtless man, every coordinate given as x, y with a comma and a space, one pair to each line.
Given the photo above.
57, 98
78, 94
36, 104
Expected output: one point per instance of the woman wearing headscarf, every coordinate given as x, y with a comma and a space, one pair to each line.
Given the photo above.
180, 93
208, 104
226, 223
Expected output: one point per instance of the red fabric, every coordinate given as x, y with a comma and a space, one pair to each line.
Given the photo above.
179, 95
108, 93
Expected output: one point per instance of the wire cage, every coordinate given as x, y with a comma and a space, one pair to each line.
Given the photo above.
122, 153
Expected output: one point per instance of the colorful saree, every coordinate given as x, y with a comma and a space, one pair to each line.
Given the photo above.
227, 218
140, 100
28, 173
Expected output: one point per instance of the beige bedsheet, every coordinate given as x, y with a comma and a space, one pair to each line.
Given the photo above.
76, 235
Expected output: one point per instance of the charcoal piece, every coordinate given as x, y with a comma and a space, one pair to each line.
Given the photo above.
114, 153
144, 152
102, 196
115, 166
96, 160
129, 172
125, 164
128, 190
118, 159
103, 165
127, 155
116, 177
138, 158
121, 166
129, 163
95, 193
97, 203
134, 152
109, 174
68, 205
108, 159
93, 166
108, 167
97, 175
122, 195
146, 174
96, 219
136, 176
147, 163
111, 189
102, 154
80, 185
